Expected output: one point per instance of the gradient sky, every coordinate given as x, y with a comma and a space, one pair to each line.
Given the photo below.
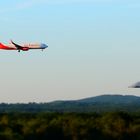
94, 49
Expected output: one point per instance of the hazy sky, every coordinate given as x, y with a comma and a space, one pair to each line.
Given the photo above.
94, 49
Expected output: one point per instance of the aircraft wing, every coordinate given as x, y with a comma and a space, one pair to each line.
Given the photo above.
17, 46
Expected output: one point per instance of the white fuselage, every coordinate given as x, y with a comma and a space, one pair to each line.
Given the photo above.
30, 45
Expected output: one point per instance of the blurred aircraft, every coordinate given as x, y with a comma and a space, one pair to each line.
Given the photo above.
136, 85
24, 47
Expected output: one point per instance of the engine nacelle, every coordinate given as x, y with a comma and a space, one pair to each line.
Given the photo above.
25, 49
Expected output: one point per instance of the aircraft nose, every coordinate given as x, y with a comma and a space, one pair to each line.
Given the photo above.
43, 46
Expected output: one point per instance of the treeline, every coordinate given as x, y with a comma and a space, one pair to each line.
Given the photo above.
70, 126
71, 106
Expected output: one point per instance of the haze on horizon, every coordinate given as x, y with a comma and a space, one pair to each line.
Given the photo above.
94, 49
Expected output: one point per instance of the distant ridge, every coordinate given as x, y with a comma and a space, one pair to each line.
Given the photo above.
100, 103
103, 103
111, 98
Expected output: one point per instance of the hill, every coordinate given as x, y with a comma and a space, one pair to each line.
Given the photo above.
115, 99
100, 103
103, 103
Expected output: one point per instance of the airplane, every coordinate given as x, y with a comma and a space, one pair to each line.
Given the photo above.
24, 47
136, 85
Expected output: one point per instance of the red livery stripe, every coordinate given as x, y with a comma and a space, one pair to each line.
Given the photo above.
6, 47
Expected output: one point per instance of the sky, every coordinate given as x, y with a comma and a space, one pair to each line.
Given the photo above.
94, 49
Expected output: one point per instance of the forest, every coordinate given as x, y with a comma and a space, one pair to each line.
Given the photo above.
70, 126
